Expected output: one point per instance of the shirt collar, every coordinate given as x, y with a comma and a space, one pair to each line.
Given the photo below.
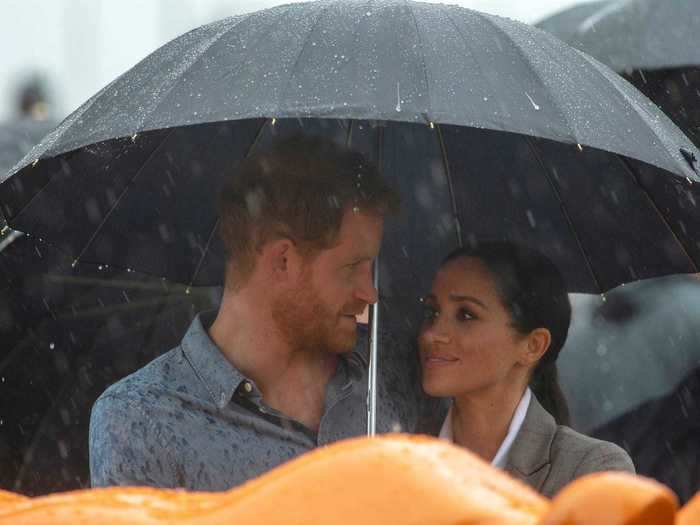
217, 374
499, 459
221, 379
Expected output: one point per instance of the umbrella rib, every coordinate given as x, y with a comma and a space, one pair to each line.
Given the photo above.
307, 40
450, 186
562, 207
216, 223
628, 169
123, 193
422, 48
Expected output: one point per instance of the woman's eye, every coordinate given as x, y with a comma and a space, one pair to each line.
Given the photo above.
464, 315
429, 313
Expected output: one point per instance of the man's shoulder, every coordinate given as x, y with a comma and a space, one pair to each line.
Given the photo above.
168, 375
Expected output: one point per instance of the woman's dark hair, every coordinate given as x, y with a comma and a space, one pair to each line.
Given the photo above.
534, 292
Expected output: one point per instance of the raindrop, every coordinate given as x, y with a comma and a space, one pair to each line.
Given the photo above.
133, 137
531, 219
486, 99
35, 162
580, 148
369, 13
51, 346
534, 105
398, 97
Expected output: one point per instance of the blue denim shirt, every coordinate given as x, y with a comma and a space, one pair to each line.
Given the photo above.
190, 419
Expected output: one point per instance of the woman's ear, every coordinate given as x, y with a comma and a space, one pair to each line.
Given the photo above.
537, 344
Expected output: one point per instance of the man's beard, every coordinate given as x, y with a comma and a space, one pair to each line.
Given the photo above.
308, 324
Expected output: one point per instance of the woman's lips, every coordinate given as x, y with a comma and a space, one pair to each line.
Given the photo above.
431, 361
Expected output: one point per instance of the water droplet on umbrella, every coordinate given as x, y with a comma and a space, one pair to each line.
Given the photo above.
52, 346
534, 105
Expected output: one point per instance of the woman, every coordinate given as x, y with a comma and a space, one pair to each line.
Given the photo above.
495, 321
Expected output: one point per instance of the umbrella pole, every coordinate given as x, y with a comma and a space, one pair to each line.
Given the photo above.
373, 361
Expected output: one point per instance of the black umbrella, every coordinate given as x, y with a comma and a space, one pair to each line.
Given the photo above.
566, 23
630, 370
655, 44
68, 333
642, 34
130, 178
18, 137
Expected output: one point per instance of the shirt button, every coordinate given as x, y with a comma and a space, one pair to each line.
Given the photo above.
247, 387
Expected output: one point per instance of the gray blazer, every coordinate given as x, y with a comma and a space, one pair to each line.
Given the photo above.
548, 456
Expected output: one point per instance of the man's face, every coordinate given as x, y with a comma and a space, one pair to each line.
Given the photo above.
318, 314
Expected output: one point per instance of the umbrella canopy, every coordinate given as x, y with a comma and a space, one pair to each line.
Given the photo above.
655, 44
566, 23
17, 138
107, 184
630, 371
68, 333
642, 34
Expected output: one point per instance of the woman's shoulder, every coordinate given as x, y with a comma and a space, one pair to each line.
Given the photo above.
585, 454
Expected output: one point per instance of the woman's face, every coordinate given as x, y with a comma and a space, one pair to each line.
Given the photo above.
467, 343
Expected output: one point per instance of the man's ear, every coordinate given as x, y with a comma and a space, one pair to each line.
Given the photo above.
279, 258
536, 344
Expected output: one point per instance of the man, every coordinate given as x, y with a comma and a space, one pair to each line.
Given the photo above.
272, 373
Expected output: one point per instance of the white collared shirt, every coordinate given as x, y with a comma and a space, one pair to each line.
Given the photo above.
499, 459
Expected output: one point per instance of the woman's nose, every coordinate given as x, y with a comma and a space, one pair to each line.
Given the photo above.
434, 335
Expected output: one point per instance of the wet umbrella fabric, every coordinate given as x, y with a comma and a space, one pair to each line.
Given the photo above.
407, 62
654, 44
68, 333
641, 34
630, 371
566, 23
130, 178
18, 137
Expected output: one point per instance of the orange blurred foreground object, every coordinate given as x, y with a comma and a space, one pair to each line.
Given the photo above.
390, 480
613, 498
690, 513
386, 480
10, 497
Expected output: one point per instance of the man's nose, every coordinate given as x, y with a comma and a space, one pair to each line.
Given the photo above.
365, 291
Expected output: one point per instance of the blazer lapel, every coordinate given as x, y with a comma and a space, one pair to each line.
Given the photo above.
529, 456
